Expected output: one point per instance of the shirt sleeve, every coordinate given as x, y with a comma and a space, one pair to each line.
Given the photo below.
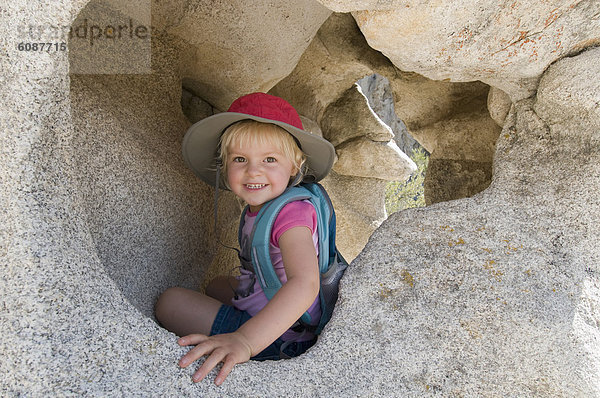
294, 214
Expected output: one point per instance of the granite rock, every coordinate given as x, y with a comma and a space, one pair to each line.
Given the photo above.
230, 48
494, 295
498, 103
378, 91
372, 159
351, 117
504, 44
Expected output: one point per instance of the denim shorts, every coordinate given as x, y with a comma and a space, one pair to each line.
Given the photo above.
229, 319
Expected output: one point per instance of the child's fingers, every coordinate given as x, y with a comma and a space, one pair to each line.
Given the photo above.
195, 354
192, 339
228, 349
208, 365
225, 370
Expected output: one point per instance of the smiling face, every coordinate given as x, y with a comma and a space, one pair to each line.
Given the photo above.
258, 174
259, 160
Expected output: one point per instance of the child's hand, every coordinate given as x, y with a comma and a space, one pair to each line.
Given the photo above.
230, 348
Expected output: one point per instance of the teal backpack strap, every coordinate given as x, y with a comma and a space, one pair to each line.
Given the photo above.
261, 236
331, 263
325, 224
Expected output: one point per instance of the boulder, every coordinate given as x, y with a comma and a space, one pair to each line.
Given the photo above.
421, 102
237, 48
351, 117
494, 295
358, 214
498, 104
507, 46
569, 95
462, 148
333, 62
366, 154
379, 93
469, 135
371, 159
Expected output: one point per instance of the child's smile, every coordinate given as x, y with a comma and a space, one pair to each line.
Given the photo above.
255, 186
258, 174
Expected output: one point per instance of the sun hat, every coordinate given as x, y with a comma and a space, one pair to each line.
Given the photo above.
201, 142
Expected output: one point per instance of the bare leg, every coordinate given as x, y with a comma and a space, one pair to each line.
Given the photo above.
184, 311
221, 288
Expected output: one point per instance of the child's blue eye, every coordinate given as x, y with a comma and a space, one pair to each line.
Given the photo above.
270, 159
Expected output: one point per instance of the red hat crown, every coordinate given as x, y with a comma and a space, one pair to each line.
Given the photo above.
268, 107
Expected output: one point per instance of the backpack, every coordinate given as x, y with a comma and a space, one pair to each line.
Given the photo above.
331, 263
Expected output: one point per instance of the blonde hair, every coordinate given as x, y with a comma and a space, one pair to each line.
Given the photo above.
250, 132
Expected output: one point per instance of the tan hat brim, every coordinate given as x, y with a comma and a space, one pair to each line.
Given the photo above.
201, 142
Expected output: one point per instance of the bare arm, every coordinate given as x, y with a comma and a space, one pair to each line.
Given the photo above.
280, 313
295, 296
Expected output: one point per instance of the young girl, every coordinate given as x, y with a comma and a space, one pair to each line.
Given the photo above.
263, 149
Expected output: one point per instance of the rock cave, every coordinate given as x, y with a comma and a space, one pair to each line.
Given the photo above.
493, 289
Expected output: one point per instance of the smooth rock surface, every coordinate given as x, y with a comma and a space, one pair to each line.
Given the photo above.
333, 62
358, 214
422, 102
372, 159
504, 44
498, 104
461, 147
230, 48
351, 117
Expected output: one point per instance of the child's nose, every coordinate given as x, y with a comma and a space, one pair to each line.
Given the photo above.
254, 168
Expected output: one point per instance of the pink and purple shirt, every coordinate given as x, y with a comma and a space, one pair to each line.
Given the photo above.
294, 214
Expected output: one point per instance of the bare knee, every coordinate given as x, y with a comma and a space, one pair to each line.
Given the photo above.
185, 311
167, 304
